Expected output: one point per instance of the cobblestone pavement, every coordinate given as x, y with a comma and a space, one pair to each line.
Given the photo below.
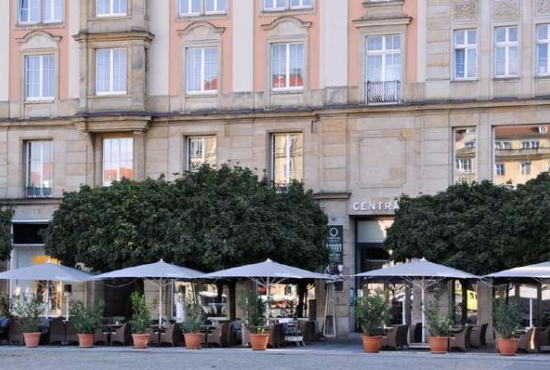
311, 357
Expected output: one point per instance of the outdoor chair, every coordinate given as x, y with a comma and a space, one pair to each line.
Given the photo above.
70, 333
57, 332
544, 337
172, 336
245, 336
390, 339
402, 336
15, 334
418, 332
219, 335
153, 336
461, 339
477, 339
309, 332
234, 333
121, 335
276, 336
101, 336
529, 342
4, 329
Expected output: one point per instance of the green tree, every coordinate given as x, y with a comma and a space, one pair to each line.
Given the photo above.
209, 219
5, 233
480, 227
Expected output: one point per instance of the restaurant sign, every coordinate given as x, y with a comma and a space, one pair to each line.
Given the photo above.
335, 246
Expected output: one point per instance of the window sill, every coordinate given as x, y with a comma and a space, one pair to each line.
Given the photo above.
34, 26
115, 16
201, 94
287, 91
294, 11
542, 77
506, 78
201, 16
40, 101
465, 80
110, 95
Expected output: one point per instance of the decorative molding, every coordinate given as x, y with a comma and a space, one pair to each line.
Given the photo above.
115, 36
465, 10
543, 7
332, 196
504, 9
37, 33
287, 18
108, 123
193, 26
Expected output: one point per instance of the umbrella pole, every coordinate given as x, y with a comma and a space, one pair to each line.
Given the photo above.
530, 312
160, 302
423, 314
47, 299
267, 300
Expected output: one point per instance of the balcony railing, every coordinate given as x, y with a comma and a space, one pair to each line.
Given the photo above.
383, 92
38, 192
521, 152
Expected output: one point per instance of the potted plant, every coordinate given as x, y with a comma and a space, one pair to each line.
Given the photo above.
256, 322
139, 323
86, 321
371, 313
506, 320
439, 325
28, 312
194, 318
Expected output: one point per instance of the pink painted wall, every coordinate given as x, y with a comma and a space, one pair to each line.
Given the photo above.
16, 63
176, 51
410, 7
260, 46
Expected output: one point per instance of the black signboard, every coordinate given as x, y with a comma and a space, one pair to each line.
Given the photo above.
335, 244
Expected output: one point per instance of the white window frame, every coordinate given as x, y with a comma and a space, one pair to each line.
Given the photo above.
287, 67
203, 154
507, 45
300, 6
202, 91
216, 6
460, 165
466, 46
111, 12
28, 21
288, 179
111, 74
52, 5
500, 173
523, 167
118, 176
40, 98
189, 12
542, 42
29, 160
274, 7
384, 52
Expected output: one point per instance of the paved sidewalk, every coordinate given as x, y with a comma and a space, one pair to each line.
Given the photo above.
322, 356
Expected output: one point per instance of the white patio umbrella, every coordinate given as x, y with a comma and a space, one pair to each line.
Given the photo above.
265, 274
49, 272
159, 271
539, 272
428, 273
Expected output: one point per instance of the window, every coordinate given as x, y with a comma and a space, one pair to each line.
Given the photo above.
543, 45
274, 5
39, 179
110, 71
202, 70
39, 77
465, 155
189, 7
530, 145
287, 66
465, 54
214, 6
500, 169
384, 58
110, 8
118, 159
45, 11
503, 145
300, 4
506, 54
197, 7
201, 150
525, 168
287, 158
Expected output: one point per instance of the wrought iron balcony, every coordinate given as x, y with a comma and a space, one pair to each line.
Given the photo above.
38, 192
383, 92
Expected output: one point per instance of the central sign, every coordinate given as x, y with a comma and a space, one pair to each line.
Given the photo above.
374, 206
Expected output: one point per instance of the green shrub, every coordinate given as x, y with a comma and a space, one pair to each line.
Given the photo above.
141, 316
438, 322
371, 313
255, 314
86, 320
28, 311
194, 318
506, 317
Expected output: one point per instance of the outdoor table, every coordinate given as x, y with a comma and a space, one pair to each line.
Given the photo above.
218, 320
109, 329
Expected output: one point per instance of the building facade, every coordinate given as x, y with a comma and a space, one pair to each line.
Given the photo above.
361, 100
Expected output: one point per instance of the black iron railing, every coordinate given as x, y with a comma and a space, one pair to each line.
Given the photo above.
38, 192
383, 92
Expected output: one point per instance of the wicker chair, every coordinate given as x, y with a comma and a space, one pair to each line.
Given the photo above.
461, 340
529, 342
390, 339
57, 332
15, 334
276, 336
219, 335
544, 337
477, 339
234, 333
172, 336
101, 336
70, 332
121, 335
309, 331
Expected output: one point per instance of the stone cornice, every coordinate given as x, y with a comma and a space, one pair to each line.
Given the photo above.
332, 196
29, 201
30, 35
197, 24
134, 35
286, 18
109, 123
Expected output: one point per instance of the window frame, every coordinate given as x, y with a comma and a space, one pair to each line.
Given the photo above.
301, 6
287, 6
466, 47
40, 98
202, 91
111, 92
541, 42
28, 160
202, 9
384, 52
287, 157
507, 45
188, 139
287, 67
500, 173
527, 171
54, 21
40, 18
215, 12
103, 158
111, 13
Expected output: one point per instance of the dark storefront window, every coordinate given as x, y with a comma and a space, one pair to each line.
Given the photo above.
26, 233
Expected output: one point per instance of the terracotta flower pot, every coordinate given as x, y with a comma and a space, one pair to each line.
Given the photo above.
31, 339
507, 347
438, 345
85, 340
372, 344
258, 342
140, 340
193, 340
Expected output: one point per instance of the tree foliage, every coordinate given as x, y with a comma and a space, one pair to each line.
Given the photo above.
480, 227
5, 233
209, 219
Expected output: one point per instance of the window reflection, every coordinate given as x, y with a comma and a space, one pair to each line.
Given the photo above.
521, 153
465, 155
288, 158
202, 150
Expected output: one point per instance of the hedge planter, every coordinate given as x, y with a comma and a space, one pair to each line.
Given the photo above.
140, 340
258, 342
193, 340
31, 339
85, 340
439, 345
507, 347
372, 344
